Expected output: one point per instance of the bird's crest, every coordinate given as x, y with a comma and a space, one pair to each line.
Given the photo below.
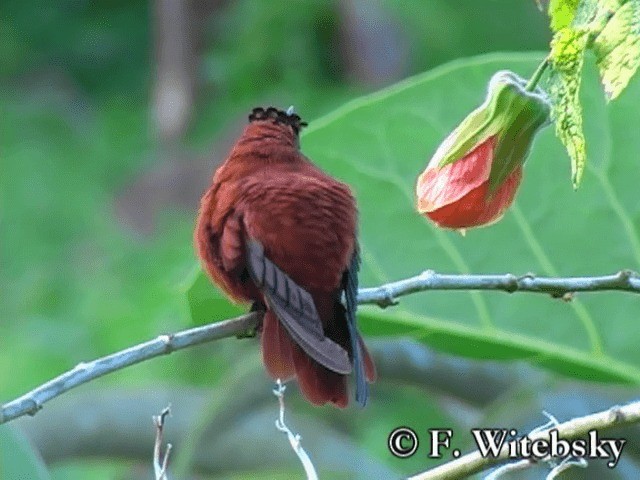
279, 116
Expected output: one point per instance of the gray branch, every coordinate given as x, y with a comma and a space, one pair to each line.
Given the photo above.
31, 402
578, 427
385, 295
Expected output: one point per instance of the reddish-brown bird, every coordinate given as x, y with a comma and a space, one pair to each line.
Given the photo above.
275, 230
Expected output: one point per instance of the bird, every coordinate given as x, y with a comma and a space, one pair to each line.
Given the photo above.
275, 231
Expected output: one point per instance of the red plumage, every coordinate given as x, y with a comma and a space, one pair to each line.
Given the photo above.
268, 193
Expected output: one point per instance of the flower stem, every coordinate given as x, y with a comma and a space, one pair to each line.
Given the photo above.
535, 78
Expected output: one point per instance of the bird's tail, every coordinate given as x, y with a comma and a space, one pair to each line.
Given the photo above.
277, 348
284, 359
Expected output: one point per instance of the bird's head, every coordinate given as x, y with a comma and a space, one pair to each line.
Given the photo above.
273, 122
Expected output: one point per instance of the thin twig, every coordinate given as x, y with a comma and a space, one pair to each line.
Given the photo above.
383, 296
31, 402
566, 465
578, 427
528, 462
386, 295
160, 462
294, 439
509, 468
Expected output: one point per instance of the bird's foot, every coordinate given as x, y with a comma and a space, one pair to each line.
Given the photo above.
250, 333
253, 332
258, 307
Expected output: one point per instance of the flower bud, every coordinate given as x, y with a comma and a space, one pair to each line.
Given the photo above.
472, 178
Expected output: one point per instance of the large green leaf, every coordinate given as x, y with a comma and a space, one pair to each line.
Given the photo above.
206, 303
380, 143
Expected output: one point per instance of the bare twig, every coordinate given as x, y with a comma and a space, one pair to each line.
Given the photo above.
160, 462
524, 464
294, 439
385, 295
31, 403
566, 465
578, 427
509, 468
527, 463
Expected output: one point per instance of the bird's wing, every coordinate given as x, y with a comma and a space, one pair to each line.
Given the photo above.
350, 286
295, 308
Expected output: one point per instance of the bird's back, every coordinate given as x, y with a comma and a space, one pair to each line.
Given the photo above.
306, 223
270, 210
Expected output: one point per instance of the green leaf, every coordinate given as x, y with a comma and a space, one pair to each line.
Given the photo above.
612, 29
566, 59
617, 48
207, 303
587, 12
562, 13
18, 459
380, 143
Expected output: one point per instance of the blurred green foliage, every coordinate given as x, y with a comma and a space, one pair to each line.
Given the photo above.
75, 281
17, 457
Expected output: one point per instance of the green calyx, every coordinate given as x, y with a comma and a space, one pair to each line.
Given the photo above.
511, 113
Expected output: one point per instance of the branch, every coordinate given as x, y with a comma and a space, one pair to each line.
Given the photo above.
160, 461
474, 462
385, 295
556, 468
294, 439
31, 403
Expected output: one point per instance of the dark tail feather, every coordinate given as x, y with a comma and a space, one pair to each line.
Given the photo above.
369, 366
318, 384
285, 360
277, 349
362, 364
359, 365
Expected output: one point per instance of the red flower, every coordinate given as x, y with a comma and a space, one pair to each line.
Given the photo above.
473, 176
457, 195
